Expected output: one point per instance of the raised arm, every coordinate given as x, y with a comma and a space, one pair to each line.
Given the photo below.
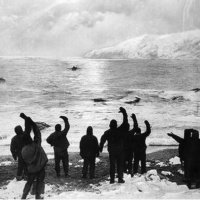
135, 122
67, 126
36, 131
175, 137
64, 132
148, 128
26, 124
124, 127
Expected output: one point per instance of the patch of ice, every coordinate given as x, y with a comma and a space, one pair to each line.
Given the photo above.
166, 173
175, 161
4, 163
50, 156
161, 164
97, 160
180, 171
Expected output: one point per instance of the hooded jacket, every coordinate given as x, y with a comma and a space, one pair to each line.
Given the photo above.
58, 139
89, 146
17, 142
33, 153
139, 141
116, 137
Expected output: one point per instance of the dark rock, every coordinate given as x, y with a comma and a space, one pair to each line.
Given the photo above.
74, 68
99, 100
195, 89
2, 80
180, 98
137, 100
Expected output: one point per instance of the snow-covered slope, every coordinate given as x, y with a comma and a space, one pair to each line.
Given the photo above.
172, 46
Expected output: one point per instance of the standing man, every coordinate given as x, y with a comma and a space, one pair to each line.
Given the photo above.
129, 147
115, 138
59, 141
89, 150
35, 158
139, 142
16, 147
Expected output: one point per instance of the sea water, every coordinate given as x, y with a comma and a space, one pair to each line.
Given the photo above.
46, 88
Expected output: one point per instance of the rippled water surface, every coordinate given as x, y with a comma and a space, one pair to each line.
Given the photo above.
46, 88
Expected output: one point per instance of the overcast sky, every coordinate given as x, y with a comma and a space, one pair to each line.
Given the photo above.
73, 27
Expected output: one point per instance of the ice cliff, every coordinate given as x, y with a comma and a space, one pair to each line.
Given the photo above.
185, 45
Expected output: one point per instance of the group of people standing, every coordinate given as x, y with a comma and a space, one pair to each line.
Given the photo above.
123, 144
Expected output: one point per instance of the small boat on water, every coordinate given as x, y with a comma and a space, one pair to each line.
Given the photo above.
74, 68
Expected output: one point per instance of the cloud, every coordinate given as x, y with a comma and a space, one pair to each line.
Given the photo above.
73, 27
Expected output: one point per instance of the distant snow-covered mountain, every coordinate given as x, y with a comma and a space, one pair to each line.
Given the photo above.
185, 45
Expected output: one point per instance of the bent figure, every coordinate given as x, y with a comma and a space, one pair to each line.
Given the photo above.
36, 159
139, 143
59, 141
115, 138
89, 150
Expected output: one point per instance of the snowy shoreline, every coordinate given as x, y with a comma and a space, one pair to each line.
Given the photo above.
162, 180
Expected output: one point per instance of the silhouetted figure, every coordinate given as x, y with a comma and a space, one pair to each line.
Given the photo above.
193, 159
36, 159
59, 141
115, 137
89, 150
189, 151
129, 147
16, 147
139, 145
182, 148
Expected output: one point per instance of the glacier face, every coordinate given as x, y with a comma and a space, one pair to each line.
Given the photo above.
184, 45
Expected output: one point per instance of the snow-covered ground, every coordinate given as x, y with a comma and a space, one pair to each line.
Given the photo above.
171, 46
148, 186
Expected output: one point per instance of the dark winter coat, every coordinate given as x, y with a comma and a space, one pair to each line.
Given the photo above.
115, 137
16, 145
129, 144
33, 153
58, 139
89, 146
17, 141
139, 141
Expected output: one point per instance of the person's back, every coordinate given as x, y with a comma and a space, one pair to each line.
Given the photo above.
33, 153
36, 159
115, 137
89, 150
17, 142
139, 139
60, 143
192, 147
58, 139
139, 144
16, 147
89, 145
